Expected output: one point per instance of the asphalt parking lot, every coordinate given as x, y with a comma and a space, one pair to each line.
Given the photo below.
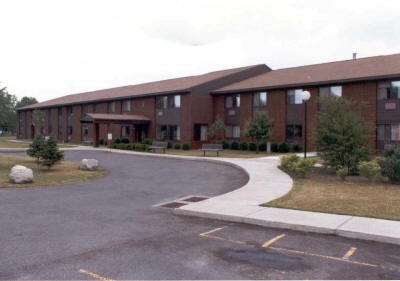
109, 229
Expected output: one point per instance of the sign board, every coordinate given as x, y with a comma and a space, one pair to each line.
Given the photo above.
109, 136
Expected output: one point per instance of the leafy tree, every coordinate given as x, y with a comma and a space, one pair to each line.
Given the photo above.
259, 128
25, 101
38, 120
217, 127
341, 135
7, 111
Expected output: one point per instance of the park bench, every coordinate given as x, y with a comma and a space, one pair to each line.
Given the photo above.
158, 145
211, 147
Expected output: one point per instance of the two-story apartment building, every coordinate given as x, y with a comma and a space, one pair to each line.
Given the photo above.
182, 109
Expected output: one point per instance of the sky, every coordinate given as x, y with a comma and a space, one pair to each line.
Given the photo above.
52, 48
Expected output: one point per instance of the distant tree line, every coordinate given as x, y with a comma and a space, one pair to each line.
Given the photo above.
8, 113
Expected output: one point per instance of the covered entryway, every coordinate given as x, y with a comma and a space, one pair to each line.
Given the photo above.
138, 124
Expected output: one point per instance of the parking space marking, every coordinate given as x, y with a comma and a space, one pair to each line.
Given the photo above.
349, 253
322, 256
297, 252
273, 240
94, 275
207, 234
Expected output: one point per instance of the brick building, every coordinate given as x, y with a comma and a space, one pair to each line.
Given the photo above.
182, 109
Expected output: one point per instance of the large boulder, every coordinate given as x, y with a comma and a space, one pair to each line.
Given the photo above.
21, 174
89, 164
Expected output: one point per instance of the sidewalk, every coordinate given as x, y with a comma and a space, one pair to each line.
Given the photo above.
266, 183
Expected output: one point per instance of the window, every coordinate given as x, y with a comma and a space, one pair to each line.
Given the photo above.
85, 132
168, 132
260, 99
200, 132
332, 90
84, 109
175, 101
69, 132
126, 106
69, 111
294, 131
111, 107
232, 132
232, 101
395, 132
388, 90
294, 96
125, 131
97, 107
162, 102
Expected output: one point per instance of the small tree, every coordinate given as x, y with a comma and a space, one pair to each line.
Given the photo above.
36, 149
341, 135
259, 128
51, 153
46, 153
217, 127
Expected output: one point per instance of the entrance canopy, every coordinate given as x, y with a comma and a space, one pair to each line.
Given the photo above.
115, 118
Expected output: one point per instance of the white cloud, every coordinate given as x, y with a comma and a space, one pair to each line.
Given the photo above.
54, 48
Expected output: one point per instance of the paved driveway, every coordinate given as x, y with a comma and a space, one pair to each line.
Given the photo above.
40, 225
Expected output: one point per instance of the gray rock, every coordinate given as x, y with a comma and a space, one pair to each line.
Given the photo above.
89, 164
21, 174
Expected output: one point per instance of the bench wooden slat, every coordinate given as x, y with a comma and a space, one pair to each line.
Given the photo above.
211, 147
159, 145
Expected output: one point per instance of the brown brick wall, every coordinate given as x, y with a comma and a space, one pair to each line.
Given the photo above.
146, 107
276, 108
246, 113
364, 94
186, 116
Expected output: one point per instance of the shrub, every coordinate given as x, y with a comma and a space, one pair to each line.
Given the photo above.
186, 146
141, 147
125, 140
342, 173
102, 142
274, 147
147, 141
244, 145
294, 165
369, 169
225, 144
130, 146
262, 146
296, 147
390, 164
46, 152
283, 147
177, 146
169, 145
117, 141
235, 145
252, 146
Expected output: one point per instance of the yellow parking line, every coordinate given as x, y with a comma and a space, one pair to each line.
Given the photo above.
94, 275
207, 234
349, 253
212, 231
322, 256
273, 240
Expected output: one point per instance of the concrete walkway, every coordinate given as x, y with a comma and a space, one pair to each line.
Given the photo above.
266, 183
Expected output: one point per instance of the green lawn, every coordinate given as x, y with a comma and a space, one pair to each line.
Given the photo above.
61, 173
325, 192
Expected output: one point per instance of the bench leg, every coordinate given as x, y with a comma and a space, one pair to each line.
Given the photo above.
217, 153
